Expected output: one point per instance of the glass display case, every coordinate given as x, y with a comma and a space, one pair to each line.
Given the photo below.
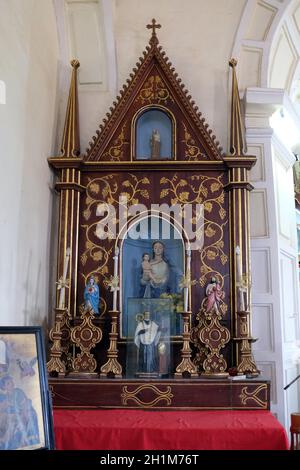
148, 338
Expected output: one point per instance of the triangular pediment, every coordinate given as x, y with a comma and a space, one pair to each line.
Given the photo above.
154, 83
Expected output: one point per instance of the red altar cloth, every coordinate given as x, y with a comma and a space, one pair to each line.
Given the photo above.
168, 430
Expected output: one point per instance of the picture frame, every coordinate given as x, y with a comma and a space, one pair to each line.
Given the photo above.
26, 421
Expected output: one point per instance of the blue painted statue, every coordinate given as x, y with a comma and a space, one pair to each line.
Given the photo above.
92, 295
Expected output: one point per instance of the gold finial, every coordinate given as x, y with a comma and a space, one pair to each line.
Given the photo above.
233, 62
70, 146
153, 26
237, 146
75, 63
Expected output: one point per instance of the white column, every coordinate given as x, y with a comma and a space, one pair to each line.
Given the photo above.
274, 270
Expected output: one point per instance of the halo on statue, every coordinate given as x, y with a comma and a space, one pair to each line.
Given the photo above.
139, 317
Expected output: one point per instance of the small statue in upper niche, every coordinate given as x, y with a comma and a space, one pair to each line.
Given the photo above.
214, 294
155, 144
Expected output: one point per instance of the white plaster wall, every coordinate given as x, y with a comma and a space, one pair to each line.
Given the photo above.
198, 38
28, 66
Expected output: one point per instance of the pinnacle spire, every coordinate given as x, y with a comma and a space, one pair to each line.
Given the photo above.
70, 146
237, 146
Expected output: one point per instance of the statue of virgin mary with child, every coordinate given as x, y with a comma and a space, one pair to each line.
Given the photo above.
157, 276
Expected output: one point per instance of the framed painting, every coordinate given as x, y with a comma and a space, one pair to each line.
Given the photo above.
25, 404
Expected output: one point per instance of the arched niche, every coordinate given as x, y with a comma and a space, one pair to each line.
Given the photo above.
139, 239
153, 134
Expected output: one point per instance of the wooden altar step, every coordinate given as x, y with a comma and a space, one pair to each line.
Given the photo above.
177, 394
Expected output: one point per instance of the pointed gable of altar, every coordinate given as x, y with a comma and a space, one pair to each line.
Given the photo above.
154, 85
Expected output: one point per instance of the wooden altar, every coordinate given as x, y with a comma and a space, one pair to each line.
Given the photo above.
154, 151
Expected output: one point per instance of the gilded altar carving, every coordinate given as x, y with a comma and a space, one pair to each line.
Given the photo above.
206, 190
56, 363
192, 152
154, 90
108, 173
115, 152
112, 193
158, 394
209, 333
117, 191
85, 336
257, 395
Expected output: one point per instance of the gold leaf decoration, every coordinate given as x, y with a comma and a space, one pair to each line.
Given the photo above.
223, 308
97, 256
83, 259
88, 200
164, 193
154, 89
116, 151
224, 259
222, 213
184, 196
100, 233
105, 191
195, 189
204, 191
144, 193
203, 270
221, 199
210, 232
211, 255
215, 187
192, 152
87, 214
208, 206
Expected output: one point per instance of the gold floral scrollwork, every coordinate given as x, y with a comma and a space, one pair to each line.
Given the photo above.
161, 395
85, 336
115, 153
214, 336
155, 90
192, 152
258, 395
111, 194
208, 191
